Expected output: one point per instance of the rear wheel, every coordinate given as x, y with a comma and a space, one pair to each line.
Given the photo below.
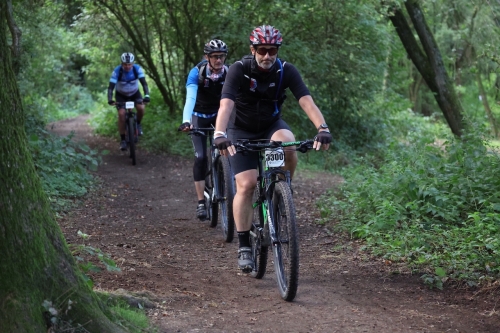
225, 195
259, 251
286, 249
131, 138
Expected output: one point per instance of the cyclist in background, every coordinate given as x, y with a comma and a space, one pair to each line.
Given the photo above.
126, 79
255, 89
204, 86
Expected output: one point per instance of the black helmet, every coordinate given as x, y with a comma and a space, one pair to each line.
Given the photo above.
215, 45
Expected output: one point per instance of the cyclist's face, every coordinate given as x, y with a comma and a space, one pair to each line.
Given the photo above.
216, 60
127, 66
267, 60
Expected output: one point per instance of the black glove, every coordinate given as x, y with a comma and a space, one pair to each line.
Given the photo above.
184, 126
222, 142
111, 102
323, 137
146, 99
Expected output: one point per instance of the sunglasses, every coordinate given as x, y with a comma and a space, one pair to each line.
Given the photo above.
263, 51
217, 57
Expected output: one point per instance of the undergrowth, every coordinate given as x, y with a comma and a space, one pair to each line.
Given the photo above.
63, 167
435, 207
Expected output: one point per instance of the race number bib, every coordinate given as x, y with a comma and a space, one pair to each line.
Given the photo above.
129, 105
275, 158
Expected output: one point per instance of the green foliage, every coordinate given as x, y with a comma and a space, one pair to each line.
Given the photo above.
428, 203
63, 166
80, 251
50, 77
129, 311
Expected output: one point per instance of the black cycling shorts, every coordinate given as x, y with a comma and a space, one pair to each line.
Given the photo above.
250, 160
120, 98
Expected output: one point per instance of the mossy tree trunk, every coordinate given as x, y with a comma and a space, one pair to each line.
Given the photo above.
35, 263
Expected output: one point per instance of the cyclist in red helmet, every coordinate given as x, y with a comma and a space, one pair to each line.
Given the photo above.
203, 91
250, 108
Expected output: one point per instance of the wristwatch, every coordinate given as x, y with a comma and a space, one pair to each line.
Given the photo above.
322, 126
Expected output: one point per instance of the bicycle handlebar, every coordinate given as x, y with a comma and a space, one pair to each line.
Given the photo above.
249, 145
200, 131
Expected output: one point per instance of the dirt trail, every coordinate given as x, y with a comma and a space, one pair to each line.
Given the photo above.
144, 216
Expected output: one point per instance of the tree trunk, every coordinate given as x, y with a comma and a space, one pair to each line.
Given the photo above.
36, 264
486, 105
429, 64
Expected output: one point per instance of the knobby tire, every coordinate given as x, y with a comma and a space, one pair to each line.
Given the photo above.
259, 251
212, 207
225, 194
286, 249
131, 131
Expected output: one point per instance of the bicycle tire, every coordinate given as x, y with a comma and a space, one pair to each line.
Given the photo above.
131, 139
286, 249
259, 252
212, 207
225, 193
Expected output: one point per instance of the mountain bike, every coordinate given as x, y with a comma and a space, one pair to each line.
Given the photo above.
219, 187
274, 222
131, 133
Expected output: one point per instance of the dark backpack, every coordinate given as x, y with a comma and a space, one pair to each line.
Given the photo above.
247, 71
136, 73
202, 66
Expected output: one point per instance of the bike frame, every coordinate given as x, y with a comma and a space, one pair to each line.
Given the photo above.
267, 178
213, 192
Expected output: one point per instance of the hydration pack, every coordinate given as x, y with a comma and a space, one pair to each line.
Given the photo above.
136, 73
202, 66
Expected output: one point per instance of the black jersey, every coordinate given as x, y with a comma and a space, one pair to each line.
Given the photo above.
209, 91
255, 93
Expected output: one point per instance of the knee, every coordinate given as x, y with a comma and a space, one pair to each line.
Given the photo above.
246, 186
200, 161
121, 114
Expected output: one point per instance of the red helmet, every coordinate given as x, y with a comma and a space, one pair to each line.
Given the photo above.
266, 34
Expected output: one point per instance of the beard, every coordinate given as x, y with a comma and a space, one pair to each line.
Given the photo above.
266, 64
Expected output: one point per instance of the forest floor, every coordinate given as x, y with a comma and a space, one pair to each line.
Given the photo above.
144, 217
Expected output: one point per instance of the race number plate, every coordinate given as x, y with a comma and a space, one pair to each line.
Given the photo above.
275, 158
129, 105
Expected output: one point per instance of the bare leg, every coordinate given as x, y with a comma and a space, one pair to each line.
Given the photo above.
242, 202
290, 154
200, 189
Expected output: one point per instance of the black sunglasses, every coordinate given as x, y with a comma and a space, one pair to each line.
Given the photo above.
263, 51
218, 56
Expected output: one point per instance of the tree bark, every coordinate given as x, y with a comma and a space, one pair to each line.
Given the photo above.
429, 62
486, 104
35, 263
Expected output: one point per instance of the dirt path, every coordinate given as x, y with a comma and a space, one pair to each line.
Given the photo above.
144, 216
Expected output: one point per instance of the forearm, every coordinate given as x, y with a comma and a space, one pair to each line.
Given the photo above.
191, 93
111, 87
144, 86
307, 104
225, 110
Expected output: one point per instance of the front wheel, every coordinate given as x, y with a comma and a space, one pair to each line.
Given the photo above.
259, 249
225, 195
286, 245
131, 138
210, 203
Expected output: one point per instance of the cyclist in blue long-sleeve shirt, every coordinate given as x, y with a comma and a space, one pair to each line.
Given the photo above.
203, 91
125, 78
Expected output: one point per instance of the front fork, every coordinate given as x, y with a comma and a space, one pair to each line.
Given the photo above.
271, 177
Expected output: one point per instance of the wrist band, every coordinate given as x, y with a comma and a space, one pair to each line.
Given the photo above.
221, 134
